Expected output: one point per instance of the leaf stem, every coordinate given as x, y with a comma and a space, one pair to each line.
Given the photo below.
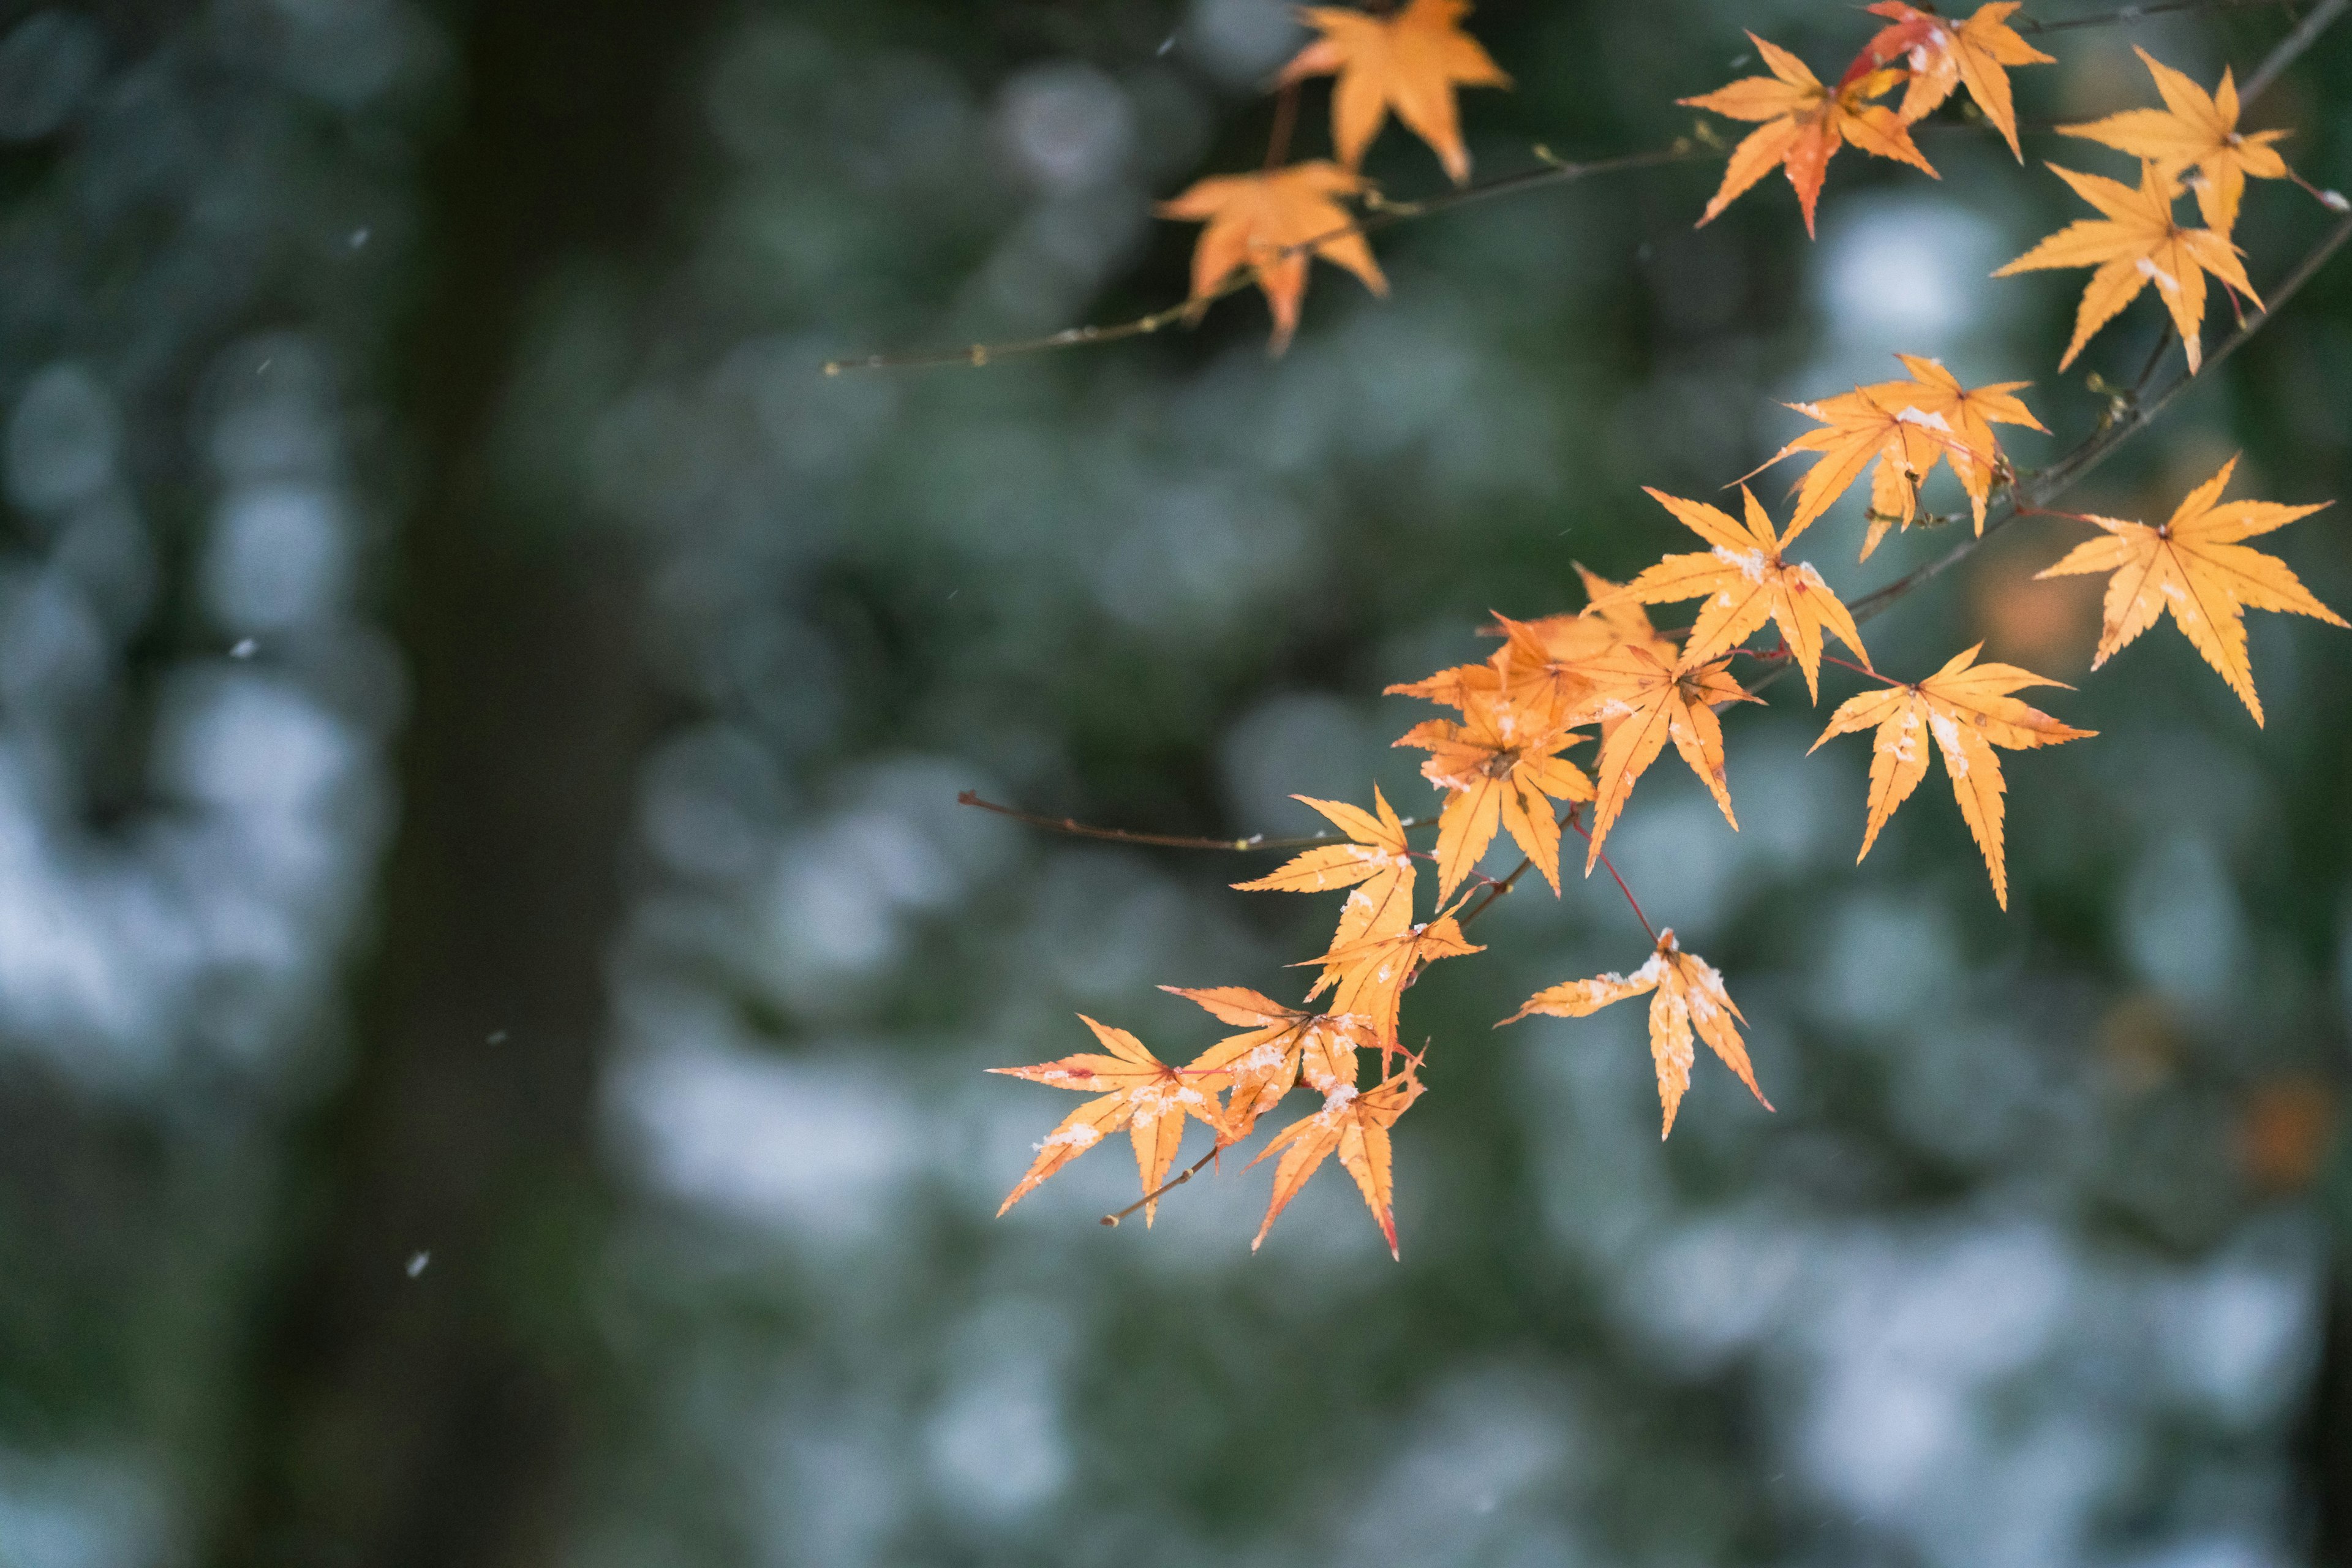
1829, 658
1285, 118
1616, 876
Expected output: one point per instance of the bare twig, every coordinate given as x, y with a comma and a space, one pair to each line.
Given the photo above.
1164, 840
1183, 1177
2131, 13
2306, 32
1553, 172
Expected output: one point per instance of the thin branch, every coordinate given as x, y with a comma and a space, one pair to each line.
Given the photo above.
1494, 891
2154, 358
2131, 13
1186, 1175
1386, 215
1166, 840
2306, 32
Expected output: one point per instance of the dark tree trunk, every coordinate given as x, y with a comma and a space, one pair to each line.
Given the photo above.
395, 1421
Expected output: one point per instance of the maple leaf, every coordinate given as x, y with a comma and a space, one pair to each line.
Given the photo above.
1280, 1047
2192, 131
1746, 581
1805, 123
1859, 429
1270, 223
1905, 427
1380, 858
1145, 1095
1968, 710
1943, 54
1461, 686
2136, 244
1539, 666
1688, 993
1501, 767
1642, 701
2195, 567
1410, 60
1356, 1127
1625, 619
1970, 414
1372, 973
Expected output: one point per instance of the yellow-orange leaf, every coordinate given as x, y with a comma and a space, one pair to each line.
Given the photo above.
1746, 582
1279, 1049
1500, 767
1904, 427
1641, 701
2136, 244
1458, 687
1410, 60
1372, 974
1689, 994
2192, 131
1380, 859
1355, 1127
1270, 223
1943, 54
2196, 567
1804, 125
1966, 709
1136, 1090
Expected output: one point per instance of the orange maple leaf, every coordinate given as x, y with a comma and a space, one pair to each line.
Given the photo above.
1805, 123
1410, 60
2136, 244
2195, 567
1905, 427
1372, 974
1746, 581
2192, 131
1146, 1096
1280, 1047
1501, 767
1460, 686
1970, 414
1380, 858
1968, 710
1270, 223
1642, 701
1356, 1127
1689, 994
1943, 54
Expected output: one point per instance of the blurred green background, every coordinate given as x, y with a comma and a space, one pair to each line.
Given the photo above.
494, 980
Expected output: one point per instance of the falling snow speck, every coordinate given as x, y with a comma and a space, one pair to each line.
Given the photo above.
245, 648
418, 1262
498, 1037
359, 238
